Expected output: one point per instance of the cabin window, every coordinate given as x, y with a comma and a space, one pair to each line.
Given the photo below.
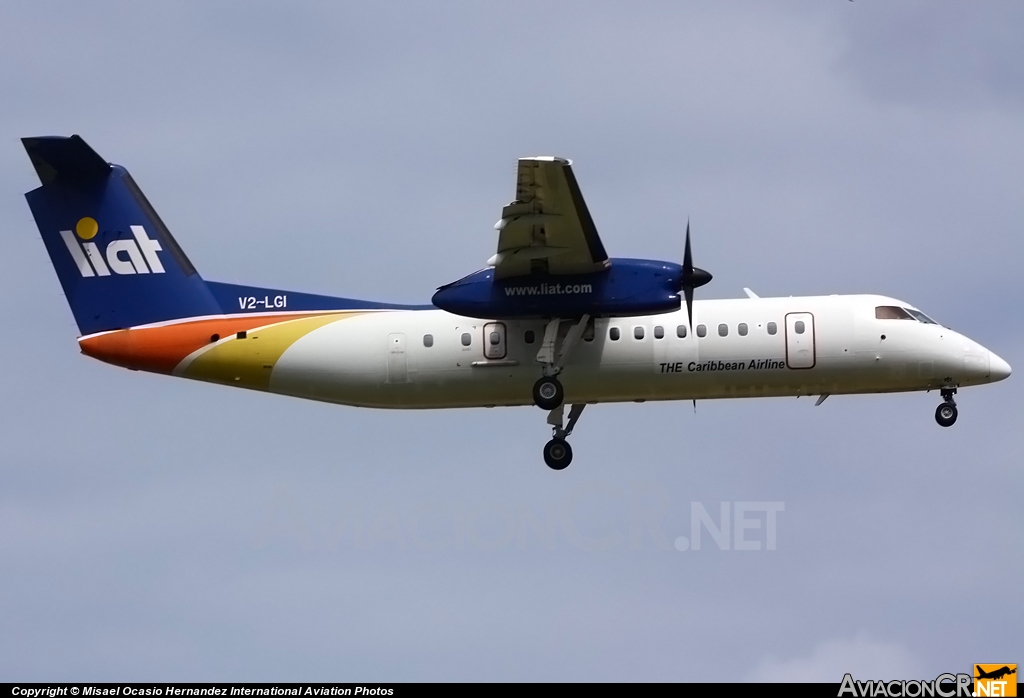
659, 332
892, 312
723, 330
742, 329
467, 339
428, 340
702, 331
799, 327
638, 332
494, 338
772, 328
613, 334
529, 337
681, 331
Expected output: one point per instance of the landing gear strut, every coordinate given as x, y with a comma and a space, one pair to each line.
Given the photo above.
945, 414
558, 452
549, 395
547, 392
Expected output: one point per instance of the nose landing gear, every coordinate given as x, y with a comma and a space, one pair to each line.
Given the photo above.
945, 414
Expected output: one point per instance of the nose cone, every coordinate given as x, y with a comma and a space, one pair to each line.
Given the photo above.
997, 368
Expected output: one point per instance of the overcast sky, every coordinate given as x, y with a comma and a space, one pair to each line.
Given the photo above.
158, 529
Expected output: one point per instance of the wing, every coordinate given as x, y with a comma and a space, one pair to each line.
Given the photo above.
548, 228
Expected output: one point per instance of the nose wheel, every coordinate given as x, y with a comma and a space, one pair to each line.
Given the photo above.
945, 414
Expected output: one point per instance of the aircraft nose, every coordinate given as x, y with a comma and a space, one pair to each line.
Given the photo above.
997, 368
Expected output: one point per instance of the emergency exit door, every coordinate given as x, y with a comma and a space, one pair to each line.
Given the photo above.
398, 367
494, 340
800, 340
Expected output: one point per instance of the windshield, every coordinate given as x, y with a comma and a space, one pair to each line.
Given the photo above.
921, 316
892, 312
895, 312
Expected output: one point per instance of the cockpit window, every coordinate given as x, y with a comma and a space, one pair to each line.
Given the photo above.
921, 316
892, 312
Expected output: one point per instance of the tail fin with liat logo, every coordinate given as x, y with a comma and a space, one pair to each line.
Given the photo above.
118, 263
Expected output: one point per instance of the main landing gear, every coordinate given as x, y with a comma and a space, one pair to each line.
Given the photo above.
945, 414
558, 452
548, 393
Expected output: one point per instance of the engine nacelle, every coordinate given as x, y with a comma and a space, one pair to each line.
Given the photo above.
628, 287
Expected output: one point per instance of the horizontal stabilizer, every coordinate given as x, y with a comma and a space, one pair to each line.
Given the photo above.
66, 160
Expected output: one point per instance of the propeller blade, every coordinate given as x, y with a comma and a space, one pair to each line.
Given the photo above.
687, 257
691, 278
688, 292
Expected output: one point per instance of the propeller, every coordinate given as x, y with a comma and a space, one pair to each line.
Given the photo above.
691, 278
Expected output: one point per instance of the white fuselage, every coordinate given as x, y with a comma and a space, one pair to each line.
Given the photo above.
382, 359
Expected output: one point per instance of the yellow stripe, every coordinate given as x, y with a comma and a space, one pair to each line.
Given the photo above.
248, 362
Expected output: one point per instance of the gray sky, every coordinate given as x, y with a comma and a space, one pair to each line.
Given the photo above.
159, 529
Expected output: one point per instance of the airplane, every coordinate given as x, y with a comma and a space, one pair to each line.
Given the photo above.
995, 674
551, 320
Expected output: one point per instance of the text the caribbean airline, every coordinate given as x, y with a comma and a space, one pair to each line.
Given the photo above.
551, 321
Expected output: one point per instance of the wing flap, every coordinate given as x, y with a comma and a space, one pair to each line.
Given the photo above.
548, 228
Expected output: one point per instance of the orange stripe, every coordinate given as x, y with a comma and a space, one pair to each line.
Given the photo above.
160, 349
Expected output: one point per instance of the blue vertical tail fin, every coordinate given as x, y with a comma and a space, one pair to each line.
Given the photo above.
118, 263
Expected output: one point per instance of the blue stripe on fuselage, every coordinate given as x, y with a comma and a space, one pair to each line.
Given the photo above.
235, 298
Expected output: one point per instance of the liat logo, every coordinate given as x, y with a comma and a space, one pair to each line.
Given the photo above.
136, 256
